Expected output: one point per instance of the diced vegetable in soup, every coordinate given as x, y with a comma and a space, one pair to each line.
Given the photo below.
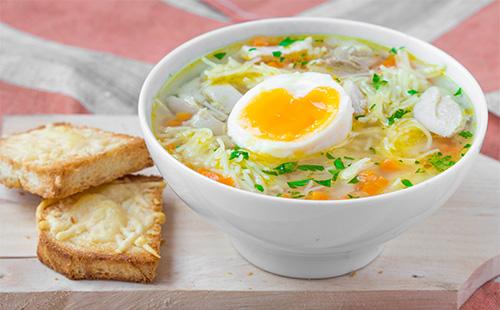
314, 117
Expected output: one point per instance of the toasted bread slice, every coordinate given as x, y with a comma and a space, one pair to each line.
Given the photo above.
60, 159
110, 232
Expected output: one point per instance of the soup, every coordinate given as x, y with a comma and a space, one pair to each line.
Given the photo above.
314, 117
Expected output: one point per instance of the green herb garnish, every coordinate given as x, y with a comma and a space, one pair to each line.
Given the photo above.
440, 162
252, 49
296, 195
327, 182
299, 183
354, 180
339, 164
373, 150
237, 153
352, 196
406, 182
468, 145
310, 167
458, 92
270, 172
377, 81
347, 157
286, 167
277, 54
287, 41
393, 50
466, 134
420, 170
412, 92
329, 156
372, 106
335, 174
359, 116
259, 187
396, 115
220, 55
282, 59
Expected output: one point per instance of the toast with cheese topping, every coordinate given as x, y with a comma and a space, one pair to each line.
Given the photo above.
110, 232
60, 159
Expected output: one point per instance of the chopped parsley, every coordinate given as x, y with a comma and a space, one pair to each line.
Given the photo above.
219, 55
412, 92
354, 180
299, 183
282, 59
466, 134
458, 92
286, 167
277, 54
372, 106
339, 164
440, 162
295, 194
352, 196
335, 174
468, 145
396, 115
270, 172
393, 50
310, 167
406, 182
347, 157
287, 41
252, 49
329, 156
259, 187
420, 170
377, 81
237, 153
373, 150
327, 182
359, 116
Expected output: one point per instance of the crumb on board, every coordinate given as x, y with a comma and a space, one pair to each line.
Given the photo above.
250, 274
229, 273
380, 272
27, 237
352, 274
417, 276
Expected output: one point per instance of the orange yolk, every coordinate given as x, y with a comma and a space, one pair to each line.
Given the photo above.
277, 115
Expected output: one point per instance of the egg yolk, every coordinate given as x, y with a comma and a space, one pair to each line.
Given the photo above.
277, 115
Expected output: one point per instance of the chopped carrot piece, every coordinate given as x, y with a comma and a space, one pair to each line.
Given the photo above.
173, 122
371, 183
183, 116
259, 41
274, 64
170, 147
447, 146
317, 195
216, 176
390, 165
389, 61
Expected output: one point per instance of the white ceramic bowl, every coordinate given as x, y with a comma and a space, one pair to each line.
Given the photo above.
298, 238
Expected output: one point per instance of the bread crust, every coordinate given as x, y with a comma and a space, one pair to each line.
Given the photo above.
80, 263
64, 178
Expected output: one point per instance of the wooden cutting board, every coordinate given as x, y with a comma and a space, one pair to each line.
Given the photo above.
438, 263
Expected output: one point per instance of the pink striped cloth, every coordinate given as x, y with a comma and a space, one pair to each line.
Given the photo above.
92, 56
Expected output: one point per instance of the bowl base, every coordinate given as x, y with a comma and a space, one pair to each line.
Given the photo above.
306, 266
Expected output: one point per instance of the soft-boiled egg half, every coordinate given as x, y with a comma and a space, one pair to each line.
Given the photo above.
291, 115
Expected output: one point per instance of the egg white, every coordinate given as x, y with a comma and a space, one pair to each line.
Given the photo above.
298, 85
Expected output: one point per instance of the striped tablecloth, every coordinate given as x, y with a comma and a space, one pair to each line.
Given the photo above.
92, 56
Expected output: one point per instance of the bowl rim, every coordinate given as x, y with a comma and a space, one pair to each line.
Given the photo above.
479, 106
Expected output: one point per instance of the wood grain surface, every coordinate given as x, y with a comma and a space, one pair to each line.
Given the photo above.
438, 263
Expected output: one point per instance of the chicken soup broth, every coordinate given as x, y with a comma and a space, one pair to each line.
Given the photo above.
314, 117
